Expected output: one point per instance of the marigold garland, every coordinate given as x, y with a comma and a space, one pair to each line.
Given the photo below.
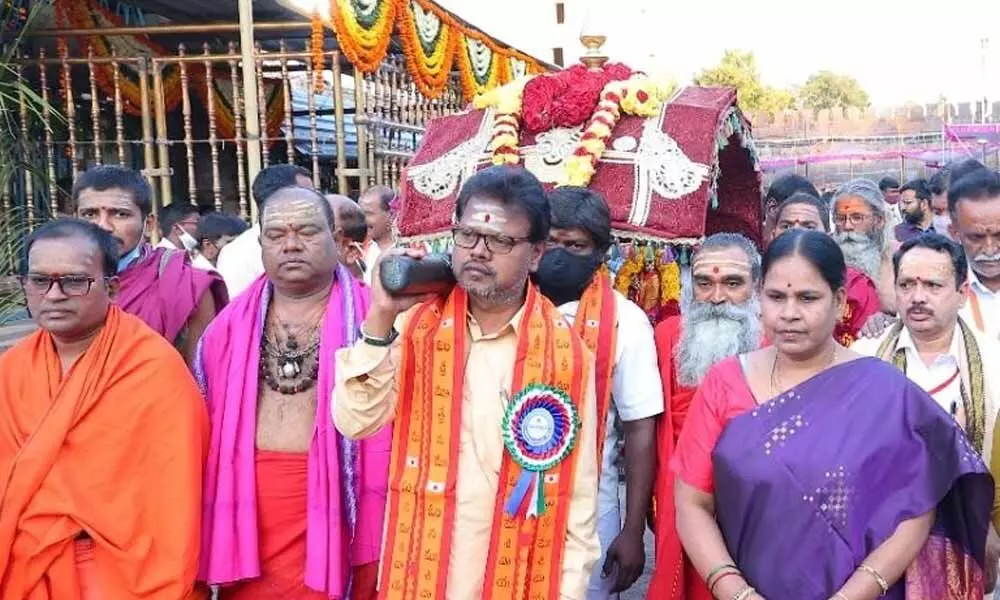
316, 40
429, 61
364, 29
475, 47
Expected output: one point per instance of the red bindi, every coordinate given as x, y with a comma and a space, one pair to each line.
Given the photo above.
486, 218
715, 269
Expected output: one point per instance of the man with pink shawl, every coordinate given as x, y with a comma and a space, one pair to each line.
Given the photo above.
292, 509
158, 285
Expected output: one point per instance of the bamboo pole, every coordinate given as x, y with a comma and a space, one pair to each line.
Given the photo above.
251, 109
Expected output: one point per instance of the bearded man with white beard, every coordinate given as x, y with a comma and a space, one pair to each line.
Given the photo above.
719, 318
859, 216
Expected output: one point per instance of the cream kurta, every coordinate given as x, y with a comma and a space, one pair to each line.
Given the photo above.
365, 400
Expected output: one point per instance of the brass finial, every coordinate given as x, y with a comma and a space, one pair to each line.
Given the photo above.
593, 57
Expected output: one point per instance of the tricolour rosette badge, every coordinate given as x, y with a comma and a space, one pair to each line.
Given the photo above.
540, 428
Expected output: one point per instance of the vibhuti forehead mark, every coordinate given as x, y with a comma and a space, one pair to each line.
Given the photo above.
487, 216
715, 264
287, 211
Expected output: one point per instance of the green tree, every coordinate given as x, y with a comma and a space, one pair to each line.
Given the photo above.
738, 69
827, 89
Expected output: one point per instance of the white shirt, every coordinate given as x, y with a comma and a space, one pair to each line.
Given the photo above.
371, 257
636, 392
941, 370
989, 307
240, 262
199, 261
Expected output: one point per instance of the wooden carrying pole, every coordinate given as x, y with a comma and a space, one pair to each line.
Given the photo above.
251, 112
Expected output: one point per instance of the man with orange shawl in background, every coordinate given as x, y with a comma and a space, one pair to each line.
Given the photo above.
719, 318
629, 395
101, 462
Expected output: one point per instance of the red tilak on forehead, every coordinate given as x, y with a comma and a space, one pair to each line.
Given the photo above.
486, 217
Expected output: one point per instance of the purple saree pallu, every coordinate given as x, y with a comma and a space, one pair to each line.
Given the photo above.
808, 484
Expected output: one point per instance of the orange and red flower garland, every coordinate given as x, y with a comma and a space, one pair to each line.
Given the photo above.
428, 61
364, 32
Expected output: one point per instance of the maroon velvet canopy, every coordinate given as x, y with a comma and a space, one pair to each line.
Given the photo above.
688, 172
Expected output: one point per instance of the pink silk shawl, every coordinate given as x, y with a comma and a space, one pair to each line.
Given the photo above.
165, 301
347, 480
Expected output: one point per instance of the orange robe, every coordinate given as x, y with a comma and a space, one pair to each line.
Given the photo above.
112, 450
674, 577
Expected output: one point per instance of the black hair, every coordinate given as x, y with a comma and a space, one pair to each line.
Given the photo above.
579, 208
67, 227
272, 179
937, 243
786, 186
920, 187
804, 198
351, 221
819, 249
305, 192
887, 183
214, 225
510, 185
384, 194
174, 213
976, 185
108, 177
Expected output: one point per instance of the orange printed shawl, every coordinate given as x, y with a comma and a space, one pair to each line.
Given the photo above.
596, 323
525, 554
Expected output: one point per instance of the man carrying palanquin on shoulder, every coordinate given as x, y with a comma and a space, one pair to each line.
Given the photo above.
493, 477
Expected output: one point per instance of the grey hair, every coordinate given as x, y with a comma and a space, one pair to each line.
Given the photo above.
719, 241
865, 189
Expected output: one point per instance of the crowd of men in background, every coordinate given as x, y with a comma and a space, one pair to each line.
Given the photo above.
222, 358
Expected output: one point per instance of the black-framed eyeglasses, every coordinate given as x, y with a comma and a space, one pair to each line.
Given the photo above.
71, 285
497, 244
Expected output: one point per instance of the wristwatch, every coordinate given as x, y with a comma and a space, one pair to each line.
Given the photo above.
377, 341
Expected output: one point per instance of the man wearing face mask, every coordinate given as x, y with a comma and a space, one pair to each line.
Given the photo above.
629, 393
178, 225
158, 286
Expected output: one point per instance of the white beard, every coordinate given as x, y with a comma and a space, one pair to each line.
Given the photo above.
711, 333
862, 252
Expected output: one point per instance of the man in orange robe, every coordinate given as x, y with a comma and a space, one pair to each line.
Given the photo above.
719, 318
101, 465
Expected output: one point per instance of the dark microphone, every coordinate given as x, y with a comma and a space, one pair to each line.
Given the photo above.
403, 275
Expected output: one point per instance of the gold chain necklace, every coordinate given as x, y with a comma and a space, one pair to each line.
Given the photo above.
776, 385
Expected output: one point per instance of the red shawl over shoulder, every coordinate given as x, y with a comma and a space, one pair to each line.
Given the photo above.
674, 578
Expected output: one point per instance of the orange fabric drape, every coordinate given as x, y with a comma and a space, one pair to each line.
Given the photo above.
113, 449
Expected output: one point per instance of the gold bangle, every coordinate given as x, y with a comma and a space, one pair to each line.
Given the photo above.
882, 583
745, 593
719, 569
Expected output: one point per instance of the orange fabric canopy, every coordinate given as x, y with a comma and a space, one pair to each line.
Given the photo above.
114, 449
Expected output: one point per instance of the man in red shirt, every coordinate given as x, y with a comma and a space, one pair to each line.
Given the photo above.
719, 318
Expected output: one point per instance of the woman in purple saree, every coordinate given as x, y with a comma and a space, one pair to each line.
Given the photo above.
808, 473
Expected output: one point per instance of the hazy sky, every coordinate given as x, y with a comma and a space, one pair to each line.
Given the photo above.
900, 50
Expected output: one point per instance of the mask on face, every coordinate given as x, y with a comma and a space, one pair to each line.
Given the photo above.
187, 240
563, 276
125, 261
941, 224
